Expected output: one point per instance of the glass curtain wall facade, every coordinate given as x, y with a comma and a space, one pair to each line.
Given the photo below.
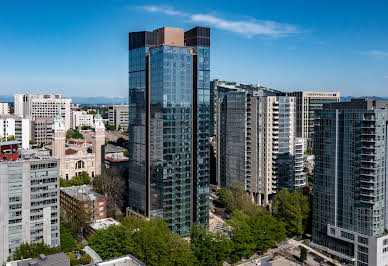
169, 164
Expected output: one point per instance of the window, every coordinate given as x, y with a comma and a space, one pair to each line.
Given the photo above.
347, 235
385, 242
362, 249
332, 230
363, 240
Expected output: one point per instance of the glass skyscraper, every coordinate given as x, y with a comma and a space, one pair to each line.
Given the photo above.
350, 181
169, 118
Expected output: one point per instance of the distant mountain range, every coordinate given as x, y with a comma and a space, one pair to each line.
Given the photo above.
100, 100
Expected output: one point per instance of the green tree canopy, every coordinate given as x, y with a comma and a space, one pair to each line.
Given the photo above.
68, 242
33, 250
255, 233
236, 198
149, 241
82, 179
210, 248
293, 209
71, 134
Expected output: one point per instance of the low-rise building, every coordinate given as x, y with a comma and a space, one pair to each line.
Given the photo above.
59, 259
115, 160
83, 200
101, 224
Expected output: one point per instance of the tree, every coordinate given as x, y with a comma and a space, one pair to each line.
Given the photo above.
150, 241
11, 137
84, 127
121, 142
109, 127
126, 153
82, 179
33, 250
210, 248
293, 209
255, 233
113, 186
67, 240
235, 198
308, 150
303, 254
71, 134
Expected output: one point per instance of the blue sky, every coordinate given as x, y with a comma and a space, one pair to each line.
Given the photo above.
80, 47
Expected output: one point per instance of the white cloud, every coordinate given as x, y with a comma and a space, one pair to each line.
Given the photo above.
378, 53
248, 28
164, 10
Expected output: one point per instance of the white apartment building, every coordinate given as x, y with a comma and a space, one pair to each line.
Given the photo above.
43, 105
259, 148
20, 128
118, 116
300, 177
29, 198
81, 118
4, 109
307, 102
276, 145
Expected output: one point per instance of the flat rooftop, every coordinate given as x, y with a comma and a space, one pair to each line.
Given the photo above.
103, 223
82, 193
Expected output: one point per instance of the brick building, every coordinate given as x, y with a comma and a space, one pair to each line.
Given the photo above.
82, 199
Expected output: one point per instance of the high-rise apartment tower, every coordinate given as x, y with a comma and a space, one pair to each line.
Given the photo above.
350, 188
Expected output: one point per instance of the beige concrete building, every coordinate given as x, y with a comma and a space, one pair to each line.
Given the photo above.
43, 105
306, 104
81, 118
42, 130
76, 156
4, 109
118, 116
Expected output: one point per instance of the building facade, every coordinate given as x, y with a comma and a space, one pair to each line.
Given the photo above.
307, 103
29, 198
42, 130
256, 135
43, 105
78, 201
81, 118
14, 126
169, 110
350, 218
118, 116
4, 109
77, 156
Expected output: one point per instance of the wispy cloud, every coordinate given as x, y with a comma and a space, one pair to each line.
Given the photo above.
164, 10
249, 28
377, 53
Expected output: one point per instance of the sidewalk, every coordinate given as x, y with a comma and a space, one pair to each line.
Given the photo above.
297, 243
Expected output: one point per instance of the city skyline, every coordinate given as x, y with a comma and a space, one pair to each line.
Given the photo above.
80, 48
